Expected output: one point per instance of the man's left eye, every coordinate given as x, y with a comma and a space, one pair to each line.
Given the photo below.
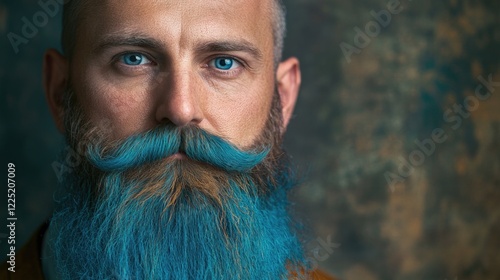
224, 63
134, 59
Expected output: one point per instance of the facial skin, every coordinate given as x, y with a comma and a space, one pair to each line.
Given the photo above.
180, 48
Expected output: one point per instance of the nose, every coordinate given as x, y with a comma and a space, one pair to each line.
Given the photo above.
179, 101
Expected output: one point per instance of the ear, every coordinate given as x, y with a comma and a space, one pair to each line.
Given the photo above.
289, 79
55, 79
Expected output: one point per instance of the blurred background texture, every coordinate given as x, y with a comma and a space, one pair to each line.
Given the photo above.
397, 129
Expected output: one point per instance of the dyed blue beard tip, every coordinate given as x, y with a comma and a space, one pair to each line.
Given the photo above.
220, 153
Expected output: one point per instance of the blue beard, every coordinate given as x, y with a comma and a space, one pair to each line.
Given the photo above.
176, 230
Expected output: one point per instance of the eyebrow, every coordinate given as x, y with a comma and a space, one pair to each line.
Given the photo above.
229, 46
137, 40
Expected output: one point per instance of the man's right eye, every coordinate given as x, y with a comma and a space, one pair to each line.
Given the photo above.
134, 59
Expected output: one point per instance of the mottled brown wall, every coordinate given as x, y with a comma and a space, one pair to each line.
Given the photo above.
357, 122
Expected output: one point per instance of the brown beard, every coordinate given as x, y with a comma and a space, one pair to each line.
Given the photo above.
211, 181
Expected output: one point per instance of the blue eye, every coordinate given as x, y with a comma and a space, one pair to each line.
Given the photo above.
134, 59
223, 63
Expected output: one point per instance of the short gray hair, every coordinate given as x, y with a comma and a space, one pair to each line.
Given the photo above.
279, 29
73, 10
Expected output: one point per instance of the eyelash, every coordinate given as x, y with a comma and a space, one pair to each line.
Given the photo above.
226, 73
118, 57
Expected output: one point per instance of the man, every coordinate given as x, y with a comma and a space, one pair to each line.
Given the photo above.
176, 109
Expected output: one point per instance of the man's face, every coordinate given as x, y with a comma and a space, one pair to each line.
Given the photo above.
196, 77
206, 63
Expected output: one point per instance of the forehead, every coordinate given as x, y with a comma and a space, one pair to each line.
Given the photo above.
179, 23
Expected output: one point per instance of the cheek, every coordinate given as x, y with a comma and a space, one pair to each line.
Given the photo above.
125, 108
241, 121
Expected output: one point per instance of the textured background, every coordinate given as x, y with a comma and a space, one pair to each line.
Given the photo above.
357, 123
